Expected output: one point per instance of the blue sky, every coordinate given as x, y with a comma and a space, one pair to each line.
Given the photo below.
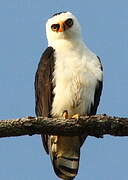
22, 41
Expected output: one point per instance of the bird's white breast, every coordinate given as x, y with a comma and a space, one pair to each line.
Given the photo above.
75, 76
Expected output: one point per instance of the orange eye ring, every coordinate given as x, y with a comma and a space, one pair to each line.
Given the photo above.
55, 27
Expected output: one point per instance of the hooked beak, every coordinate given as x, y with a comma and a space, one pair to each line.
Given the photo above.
62, 27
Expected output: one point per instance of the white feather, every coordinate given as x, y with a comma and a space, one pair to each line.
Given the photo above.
76, 72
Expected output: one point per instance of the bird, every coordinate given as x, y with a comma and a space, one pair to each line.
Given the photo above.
68, 84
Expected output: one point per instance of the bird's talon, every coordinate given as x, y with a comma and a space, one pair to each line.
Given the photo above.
76, 116
65, 114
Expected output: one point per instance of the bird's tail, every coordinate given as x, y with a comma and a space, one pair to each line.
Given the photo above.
65, 155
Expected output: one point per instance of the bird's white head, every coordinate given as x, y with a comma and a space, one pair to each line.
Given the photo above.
63, 26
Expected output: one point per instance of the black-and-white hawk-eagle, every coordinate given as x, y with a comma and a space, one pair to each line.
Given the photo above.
68, 81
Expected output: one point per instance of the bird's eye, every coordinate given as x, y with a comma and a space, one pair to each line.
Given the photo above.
55, 27
69, 22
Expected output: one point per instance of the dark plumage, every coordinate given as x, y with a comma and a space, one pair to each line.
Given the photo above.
44, 87
58, 13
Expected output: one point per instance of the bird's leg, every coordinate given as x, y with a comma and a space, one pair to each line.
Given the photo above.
65, 115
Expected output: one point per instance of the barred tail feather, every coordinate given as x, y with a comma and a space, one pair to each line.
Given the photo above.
66, 168
65, 154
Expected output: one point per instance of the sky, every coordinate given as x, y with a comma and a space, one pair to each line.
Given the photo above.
22, 41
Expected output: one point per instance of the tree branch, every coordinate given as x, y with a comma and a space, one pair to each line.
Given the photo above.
97, 126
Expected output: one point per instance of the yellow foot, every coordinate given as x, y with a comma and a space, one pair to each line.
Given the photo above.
76, 116
65, 114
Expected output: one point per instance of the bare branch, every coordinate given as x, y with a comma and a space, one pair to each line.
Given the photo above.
97, 126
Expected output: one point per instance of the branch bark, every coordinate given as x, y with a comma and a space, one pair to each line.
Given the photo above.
97, 126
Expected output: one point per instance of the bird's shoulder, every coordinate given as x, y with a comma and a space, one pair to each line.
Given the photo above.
46, 55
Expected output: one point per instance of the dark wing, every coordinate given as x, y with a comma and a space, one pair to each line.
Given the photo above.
44, 87
97, 95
